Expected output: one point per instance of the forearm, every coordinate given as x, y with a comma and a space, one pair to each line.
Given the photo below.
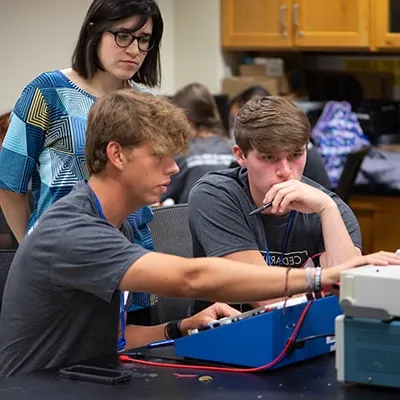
227, 282
213, 279
15, 208
338, 244
255, 258
137, 336
239, 283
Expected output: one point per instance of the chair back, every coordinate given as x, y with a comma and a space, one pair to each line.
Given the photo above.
350, 171
7, 239
170, 230
6, 258
171, 235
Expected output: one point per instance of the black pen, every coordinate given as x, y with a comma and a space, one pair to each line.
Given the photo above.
259, 209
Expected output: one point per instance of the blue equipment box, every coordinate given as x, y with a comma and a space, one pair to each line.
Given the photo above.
259, 339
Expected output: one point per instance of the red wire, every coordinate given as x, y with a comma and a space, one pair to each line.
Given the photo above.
292, 338
226, 369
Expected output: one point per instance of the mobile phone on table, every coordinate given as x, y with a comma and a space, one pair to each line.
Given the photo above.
95, 374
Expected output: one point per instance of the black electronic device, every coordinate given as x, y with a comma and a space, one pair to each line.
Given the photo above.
95, 374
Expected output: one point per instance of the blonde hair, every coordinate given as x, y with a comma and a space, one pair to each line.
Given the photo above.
132, 118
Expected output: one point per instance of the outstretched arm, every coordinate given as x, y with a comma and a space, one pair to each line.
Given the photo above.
217, 279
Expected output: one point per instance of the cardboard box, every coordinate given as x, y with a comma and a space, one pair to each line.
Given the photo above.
268, 70
236, 84
271, 67
283, 85
252, 70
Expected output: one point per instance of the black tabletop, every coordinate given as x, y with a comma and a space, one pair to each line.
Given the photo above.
314, 379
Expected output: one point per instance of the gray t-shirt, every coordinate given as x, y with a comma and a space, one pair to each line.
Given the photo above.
219, 207
206, 154
61, 300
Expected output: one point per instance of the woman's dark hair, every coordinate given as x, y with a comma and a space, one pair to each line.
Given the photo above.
200, 108
248, 94
100, 16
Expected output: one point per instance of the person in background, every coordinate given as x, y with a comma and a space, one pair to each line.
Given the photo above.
305, 219
66, 309
314, 168
118, 47
209, 150
238, 101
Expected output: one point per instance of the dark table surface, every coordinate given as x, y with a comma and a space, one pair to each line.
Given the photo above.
314, 379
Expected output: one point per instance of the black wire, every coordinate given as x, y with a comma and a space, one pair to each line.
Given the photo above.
313, 337
299, 343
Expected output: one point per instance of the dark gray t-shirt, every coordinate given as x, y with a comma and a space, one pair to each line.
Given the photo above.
219, 207
206, 154
61, 300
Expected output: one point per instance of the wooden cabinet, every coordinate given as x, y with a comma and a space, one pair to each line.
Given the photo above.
298, 24
256, 24
379, 219
386, 24
331, 24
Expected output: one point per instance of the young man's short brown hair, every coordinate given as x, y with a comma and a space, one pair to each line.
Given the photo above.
271, 125
132, 118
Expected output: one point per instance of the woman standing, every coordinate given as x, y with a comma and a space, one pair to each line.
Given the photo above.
118, 45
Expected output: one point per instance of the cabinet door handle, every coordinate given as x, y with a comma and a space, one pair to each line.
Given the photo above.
282, 15
296, 22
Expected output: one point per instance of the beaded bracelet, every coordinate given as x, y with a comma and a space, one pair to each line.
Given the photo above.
317, 278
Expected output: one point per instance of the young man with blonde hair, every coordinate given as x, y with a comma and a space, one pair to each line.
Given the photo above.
62, 298
304, 220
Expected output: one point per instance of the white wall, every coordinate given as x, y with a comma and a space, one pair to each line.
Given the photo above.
36, 35
39, 35
168, 79
198, 55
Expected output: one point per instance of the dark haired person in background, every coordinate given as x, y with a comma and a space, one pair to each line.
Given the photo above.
243, 97
209, 149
